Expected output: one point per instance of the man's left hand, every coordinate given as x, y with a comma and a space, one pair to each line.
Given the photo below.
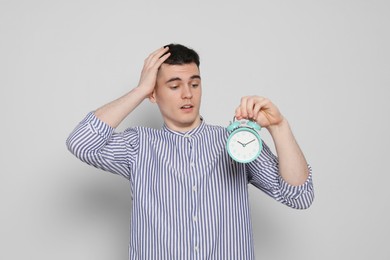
259, 109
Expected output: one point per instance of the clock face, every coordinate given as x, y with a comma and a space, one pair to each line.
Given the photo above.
244, 145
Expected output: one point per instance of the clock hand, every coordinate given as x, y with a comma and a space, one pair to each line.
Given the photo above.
243, 145
249, 142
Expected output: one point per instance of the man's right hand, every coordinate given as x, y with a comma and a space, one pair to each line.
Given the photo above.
149, 72
114, 112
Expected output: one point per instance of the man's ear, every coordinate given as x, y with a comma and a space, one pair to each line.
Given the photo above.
152, 97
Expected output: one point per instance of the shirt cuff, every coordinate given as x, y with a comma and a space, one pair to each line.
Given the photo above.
294, 192
98, 126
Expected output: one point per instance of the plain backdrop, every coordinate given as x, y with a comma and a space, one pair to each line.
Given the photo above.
324, 63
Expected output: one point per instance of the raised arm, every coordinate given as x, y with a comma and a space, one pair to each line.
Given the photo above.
94, 140
116, 111
293, 167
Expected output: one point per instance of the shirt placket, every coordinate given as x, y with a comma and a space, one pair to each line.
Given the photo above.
194, 182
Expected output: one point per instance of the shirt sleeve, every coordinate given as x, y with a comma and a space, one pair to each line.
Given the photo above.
263, 173
97, 144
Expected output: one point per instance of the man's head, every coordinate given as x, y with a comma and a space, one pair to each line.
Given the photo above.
181, 55
178, 89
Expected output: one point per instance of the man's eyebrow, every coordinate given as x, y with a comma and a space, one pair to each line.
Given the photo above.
177, 78
173, 79
195, 77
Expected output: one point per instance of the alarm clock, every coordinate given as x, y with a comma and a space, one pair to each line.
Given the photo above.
244, 143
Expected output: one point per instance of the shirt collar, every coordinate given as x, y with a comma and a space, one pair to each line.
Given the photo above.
190, 133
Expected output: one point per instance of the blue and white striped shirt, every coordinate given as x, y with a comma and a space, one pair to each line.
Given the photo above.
190, 199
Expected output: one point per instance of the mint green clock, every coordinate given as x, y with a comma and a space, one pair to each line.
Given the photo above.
244, 143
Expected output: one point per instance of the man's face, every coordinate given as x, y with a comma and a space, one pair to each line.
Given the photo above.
178, 94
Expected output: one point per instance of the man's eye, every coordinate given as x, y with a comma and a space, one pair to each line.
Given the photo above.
195, 85
173, 87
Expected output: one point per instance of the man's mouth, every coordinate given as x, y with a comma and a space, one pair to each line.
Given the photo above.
187, 106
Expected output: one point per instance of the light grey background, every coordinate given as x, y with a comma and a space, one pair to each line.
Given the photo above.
324, 63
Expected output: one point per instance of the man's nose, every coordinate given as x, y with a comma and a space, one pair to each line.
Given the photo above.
187, 92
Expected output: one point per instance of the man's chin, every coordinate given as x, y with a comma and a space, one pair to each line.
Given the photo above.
185, 124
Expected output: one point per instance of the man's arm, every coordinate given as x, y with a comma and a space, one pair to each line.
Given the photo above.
293, 167
94, 140
116, 111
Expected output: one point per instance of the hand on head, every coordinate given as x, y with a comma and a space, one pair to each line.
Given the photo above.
150, 69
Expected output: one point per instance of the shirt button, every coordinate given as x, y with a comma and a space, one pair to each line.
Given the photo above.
194, 188
192, 164
195, 218
196, 249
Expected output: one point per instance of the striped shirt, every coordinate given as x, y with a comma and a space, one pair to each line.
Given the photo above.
190, 199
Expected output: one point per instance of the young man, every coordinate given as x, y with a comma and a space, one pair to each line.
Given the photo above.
190, 199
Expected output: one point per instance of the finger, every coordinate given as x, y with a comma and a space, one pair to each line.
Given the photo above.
238, 114
159, 51
250, 103
154, 56
261, 103
153, 66
262, 119
163, 58
243, 107
256, 109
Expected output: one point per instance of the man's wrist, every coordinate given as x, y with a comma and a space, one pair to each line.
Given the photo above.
279, 128
141, 92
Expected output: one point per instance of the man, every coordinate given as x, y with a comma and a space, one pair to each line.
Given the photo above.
190, 199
